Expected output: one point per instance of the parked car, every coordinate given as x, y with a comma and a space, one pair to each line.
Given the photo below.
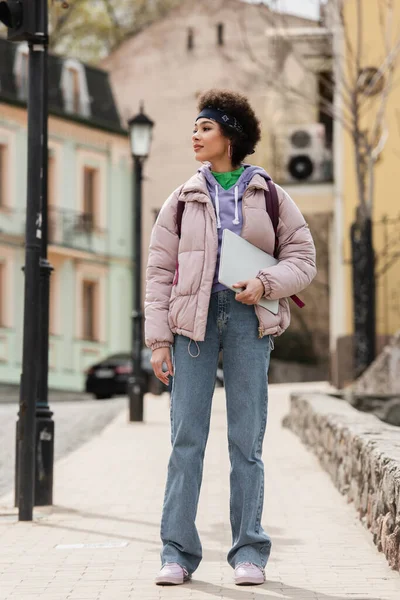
219, 382
110, 376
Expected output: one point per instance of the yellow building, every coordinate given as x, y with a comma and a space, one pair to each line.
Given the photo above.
377, 28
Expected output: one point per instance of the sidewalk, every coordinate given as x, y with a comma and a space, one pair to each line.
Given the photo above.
109, 495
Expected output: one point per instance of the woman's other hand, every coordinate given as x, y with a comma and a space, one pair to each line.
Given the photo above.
252, 293
158, 358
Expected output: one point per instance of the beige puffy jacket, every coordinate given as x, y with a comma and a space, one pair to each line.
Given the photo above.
179, 305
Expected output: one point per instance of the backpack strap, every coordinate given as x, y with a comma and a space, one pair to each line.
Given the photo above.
179, 215
272, 208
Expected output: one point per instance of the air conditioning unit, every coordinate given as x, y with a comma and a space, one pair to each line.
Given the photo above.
305, 158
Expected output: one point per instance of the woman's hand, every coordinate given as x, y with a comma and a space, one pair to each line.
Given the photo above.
158, 358
252, 293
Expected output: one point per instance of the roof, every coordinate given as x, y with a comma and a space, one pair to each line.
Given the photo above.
285, 18
103, 109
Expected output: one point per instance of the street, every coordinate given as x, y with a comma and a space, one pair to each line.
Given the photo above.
75, 423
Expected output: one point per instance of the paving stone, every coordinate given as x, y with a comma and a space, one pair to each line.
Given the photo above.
110, 491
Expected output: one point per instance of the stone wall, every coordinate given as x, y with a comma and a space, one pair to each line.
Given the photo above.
362, 456
282, 371
383, 375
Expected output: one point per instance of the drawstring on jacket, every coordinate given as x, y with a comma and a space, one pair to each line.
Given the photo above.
217, 207
236, 219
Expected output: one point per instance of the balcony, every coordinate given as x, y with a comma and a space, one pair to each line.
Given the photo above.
75, 230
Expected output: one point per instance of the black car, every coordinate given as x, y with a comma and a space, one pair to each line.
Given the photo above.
110, 376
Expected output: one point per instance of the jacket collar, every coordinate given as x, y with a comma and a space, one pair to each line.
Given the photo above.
258, 182
197, 184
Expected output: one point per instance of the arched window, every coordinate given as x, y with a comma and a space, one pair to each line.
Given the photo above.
190, 39
21, 71
74, 88
220, 34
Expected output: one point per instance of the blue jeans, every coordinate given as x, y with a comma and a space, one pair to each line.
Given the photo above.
232, 327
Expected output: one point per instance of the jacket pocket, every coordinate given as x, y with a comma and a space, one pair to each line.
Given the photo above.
190, 271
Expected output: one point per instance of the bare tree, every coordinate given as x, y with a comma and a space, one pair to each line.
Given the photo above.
364, 90
90, 30
356, 94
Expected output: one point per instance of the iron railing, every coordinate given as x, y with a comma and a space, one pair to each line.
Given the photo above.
72, 229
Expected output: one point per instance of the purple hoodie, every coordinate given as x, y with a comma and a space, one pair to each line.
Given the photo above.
228, 206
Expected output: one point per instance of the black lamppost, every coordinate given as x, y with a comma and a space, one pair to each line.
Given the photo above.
44, 432
27, 20
140, 131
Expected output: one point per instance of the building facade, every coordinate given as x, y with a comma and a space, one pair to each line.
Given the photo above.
385, 211
90, 214
236, 45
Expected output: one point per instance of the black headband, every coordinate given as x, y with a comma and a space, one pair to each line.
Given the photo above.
220, 116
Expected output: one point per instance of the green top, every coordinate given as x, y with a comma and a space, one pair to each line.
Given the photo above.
227, 180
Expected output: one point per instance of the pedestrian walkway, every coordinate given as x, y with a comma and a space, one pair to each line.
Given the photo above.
101, 539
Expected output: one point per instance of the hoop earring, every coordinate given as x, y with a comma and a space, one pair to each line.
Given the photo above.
230, 151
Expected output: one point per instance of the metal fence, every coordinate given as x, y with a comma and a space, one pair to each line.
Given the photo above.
72, 229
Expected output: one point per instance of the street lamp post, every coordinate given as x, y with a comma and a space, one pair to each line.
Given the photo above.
140, 131
27, 20
44, 432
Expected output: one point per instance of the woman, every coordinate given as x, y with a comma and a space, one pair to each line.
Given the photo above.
187, 308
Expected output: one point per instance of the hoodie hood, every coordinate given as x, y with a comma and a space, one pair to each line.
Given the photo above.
228, 204
245, 178
250, 171
231, 196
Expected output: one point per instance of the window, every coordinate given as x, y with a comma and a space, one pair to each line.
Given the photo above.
91, 301
24, 78
51, 199
90, 176
325, 97
75, 90
89, 308
7, 300
53, 329
73, 76
190, 39
3, 291
51, 179
91, 191
3, 174
21, 71
220, 34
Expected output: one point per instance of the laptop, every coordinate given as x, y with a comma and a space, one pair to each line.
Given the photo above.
240, 261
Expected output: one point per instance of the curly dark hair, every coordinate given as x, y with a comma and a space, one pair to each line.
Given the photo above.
238, 106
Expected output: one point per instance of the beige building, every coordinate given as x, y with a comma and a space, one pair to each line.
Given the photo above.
228, 44
210, 43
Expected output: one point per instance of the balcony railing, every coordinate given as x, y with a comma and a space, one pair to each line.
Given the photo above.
73, 229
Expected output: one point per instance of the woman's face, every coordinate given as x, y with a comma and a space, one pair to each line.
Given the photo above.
209, 143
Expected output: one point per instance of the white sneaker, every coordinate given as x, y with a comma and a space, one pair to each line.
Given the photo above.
249, 574
172, 574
